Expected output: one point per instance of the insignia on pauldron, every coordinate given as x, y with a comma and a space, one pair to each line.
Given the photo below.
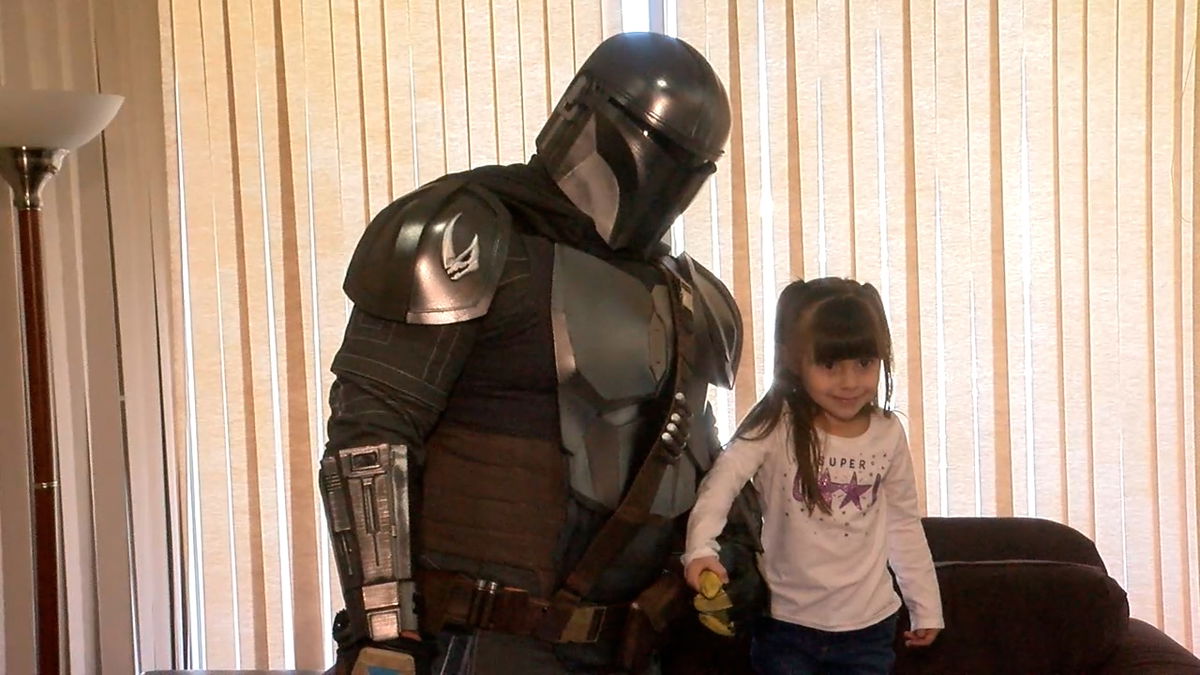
460, 264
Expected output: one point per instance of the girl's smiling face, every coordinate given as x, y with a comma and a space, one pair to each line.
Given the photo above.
842, 389
834, 351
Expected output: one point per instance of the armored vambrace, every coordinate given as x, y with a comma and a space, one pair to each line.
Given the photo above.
367, 504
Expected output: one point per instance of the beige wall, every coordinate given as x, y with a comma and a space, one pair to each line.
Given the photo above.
104, 214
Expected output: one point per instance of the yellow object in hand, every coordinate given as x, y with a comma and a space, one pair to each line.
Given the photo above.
713, 603
710, 584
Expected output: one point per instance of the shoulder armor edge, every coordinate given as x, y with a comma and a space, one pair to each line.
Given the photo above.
722, 318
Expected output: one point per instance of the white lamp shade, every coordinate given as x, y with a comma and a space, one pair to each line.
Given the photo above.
41, 118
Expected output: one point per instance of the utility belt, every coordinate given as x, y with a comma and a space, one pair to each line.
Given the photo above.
459, 600
451, 599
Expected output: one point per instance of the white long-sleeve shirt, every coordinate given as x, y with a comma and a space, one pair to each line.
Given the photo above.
829, 572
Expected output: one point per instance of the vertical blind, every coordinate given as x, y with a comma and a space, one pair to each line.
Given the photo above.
1017, 178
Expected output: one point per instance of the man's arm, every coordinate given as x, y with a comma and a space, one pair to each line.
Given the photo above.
392, 383
423, 275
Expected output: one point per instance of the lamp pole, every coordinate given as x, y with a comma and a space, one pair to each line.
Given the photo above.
27, 170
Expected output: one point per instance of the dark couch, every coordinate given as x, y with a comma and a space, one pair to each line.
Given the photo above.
1020, 595
1024, 595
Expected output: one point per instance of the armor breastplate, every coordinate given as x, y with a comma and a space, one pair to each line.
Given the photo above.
613, 344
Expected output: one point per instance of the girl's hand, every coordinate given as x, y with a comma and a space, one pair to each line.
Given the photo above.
921, 637
692, 572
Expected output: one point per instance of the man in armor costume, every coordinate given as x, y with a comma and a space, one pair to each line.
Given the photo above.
524, 358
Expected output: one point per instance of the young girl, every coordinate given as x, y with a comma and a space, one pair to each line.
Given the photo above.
839, 499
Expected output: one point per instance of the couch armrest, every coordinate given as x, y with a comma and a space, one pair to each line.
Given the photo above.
1146, 649
1022, 617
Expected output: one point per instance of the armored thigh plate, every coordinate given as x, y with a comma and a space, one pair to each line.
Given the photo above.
613, 343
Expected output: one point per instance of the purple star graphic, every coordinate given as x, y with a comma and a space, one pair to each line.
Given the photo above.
827, 487
854, 492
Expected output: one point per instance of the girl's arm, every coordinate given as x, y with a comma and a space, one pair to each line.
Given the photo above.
733, 467
908, 551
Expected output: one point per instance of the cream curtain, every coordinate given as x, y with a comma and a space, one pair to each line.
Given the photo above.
1018, 179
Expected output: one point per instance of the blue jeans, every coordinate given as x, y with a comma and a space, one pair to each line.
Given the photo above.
782, 648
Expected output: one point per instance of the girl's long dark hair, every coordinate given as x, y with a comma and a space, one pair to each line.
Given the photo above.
828, 319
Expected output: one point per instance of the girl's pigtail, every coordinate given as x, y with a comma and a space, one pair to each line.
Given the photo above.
885, 334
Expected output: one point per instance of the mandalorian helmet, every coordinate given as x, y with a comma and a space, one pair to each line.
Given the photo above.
636, 135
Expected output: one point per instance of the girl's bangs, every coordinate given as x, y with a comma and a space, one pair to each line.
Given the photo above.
828, 348
842, 331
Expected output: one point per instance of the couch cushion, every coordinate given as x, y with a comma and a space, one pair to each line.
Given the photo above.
1021, 617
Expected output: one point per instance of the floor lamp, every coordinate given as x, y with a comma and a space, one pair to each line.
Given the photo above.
37, 130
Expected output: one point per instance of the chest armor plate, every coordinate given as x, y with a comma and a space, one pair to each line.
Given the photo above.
614, 350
